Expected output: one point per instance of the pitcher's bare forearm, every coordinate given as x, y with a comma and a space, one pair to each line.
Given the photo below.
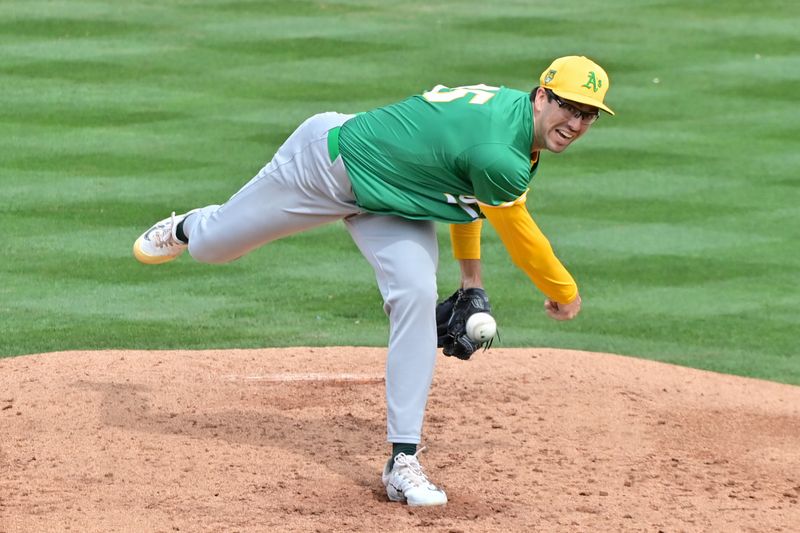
470, 273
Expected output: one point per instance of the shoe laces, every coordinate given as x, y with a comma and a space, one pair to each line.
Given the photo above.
165, 236
409, 468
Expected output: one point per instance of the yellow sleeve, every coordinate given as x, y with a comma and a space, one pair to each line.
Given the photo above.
466, 239
531, 251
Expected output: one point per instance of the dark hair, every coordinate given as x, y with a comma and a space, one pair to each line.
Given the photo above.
546, 91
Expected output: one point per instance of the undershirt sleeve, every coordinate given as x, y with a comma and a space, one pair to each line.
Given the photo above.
466, 240
531, 251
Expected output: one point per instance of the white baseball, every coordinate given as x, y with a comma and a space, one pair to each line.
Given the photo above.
481, 327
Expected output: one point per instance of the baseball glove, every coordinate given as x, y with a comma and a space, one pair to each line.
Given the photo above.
451, 322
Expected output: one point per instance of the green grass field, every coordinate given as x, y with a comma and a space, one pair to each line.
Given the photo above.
679, 217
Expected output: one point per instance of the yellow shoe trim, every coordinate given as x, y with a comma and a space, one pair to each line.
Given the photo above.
149, 259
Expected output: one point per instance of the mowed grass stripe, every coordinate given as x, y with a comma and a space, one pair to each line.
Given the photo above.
674, 215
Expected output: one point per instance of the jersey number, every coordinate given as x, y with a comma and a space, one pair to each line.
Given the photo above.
480, 93
463, 202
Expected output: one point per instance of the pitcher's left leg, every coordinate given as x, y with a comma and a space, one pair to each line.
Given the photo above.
404, 254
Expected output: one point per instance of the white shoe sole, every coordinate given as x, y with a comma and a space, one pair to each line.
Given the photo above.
396, 496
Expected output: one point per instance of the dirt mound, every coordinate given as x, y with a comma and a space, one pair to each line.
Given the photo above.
293, 440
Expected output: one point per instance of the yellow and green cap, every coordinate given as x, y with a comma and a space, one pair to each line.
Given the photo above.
579, 79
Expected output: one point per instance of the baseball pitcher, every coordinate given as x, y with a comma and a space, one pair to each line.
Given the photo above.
456, 155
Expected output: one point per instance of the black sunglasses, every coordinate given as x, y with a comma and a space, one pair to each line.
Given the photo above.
586, 117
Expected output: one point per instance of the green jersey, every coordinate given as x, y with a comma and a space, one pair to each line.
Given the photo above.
436, 155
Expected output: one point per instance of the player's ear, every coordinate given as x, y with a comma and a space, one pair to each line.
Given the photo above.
539, 99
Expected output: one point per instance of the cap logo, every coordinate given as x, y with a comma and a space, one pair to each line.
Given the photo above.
593, 83
550, 76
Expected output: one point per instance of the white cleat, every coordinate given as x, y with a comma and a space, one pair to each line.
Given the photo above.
159, 244
405, 481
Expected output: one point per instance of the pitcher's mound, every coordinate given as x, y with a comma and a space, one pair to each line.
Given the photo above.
293, 439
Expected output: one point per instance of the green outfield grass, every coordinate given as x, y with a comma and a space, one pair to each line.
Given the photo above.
679, 217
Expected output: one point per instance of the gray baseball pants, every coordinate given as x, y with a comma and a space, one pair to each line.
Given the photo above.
302, 188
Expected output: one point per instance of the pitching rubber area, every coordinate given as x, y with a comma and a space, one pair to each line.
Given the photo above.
310, 377
293, 439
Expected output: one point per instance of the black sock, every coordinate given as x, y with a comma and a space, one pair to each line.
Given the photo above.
402, 447
180, 234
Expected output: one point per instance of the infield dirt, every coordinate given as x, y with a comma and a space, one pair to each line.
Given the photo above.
293, 439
